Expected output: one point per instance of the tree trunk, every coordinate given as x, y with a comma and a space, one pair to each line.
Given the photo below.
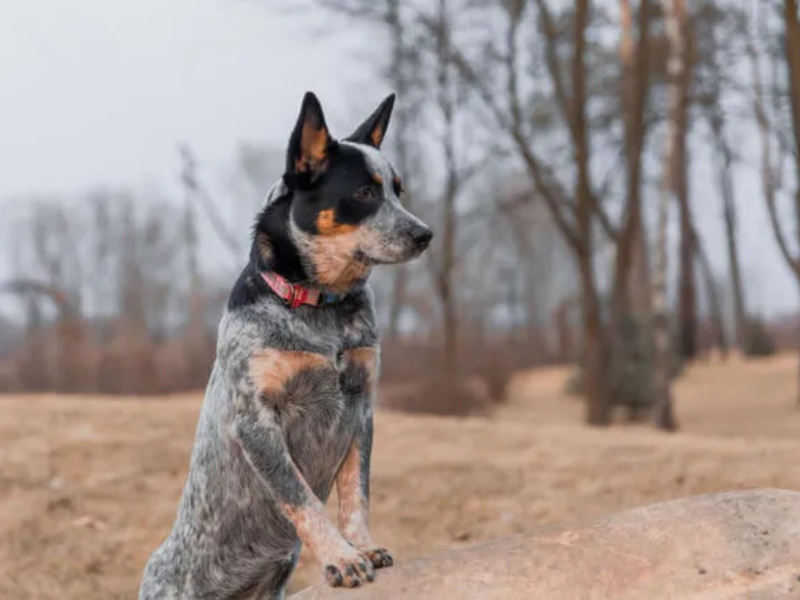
729, 215
630, 296
595, 384
399, 79
597, 401
768, 174
446, 105
725, 158
720, 340
687, 310
662, 414
663, 417
793, 61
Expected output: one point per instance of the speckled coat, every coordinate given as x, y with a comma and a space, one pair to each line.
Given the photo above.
288, 407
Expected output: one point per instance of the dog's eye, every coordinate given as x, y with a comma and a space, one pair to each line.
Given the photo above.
366, 193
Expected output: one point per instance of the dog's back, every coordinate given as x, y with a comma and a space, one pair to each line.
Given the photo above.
227, 540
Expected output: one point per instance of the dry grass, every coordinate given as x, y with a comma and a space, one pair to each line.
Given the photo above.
89, 486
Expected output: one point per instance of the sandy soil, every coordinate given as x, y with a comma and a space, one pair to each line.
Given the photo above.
89, 485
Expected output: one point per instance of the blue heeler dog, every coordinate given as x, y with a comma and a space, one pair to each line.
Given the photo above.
288, 408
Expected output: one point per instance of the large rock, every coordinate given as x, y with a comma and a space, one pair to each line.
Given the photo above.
720, 546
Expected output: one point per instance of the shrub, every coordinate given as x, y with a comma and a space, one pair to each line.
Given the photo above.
758, 340
437, 395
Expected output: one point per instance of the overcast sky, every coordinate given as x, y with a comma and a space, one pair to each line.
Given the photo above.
99, 90
102, 91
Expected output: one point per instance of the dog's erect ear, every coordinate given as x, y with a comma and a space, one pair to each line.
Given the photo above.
310, 144
373, 130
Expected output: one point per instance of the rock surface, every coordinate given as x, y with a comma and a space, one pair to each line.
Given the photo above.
721, 546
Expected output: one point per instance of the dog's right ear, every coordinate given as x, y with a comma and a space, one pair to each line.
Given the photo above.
310, 144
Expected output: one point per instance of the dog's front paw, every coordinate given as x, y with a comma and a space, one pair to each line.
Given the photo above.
350, 571
380, 558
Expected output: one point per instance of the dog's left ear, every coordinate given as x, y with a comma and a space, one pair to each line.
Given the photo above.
373, 130
310, 144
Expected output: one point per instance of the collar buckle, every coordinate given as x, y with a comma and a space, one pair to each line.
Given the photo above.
296, 295
293, 294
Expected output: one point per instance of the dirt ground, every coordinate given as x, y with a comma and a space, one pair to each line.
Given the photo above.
89, 485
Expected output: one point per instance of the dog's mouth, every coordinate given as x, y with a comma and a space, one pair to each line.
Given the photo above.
401, 257
382, 250
368, 260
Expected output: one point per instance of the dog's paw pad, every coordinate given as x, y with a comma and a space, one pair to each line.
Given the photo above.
380, 558
349, 575
333, 576
350, 579
365, 571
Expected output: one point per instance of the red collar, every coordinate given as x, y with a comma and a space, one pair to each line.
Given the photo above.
294, 294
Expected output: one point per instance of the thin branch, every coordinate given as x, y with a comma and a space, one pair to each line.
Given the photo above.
767, 175
193, 186
548, 187
563, 100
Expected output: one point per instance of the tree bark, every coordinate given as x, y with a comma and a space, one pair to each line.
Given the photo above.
731, 238
597, 401
793, 61
725, 159
631, 290
687, 309
720, 340
447, 265
400, 81
662, 414
768, 174
573, 211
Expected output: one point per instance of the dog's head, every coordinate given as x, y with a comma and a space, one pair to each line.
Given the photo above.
343, 212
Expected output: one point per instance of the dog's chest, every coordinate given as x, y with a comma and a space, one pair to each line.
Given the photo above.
321, 422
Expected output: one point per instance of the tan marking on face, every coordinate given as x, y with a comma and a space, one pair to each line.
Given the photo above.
327, 224
376, 177
334, 260
270, 369
367, 358
353, 506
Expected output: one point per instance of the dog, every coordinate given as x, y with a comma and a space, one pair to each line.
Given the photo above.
288, 410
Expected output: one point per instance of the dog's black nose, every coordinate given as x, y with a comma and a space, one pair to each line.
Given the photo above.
422, 237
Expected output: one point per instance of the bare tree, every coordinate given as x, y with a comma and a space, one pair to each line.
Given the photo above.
574, 211
401, 63
687, 295
725, 159
576, 208
676, 64
770, 131
456, 177
629, 329
792, 49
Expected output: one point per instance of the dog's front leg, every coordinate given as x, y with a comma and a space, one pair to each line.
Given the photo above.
352, 481
265, 449
277, 375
